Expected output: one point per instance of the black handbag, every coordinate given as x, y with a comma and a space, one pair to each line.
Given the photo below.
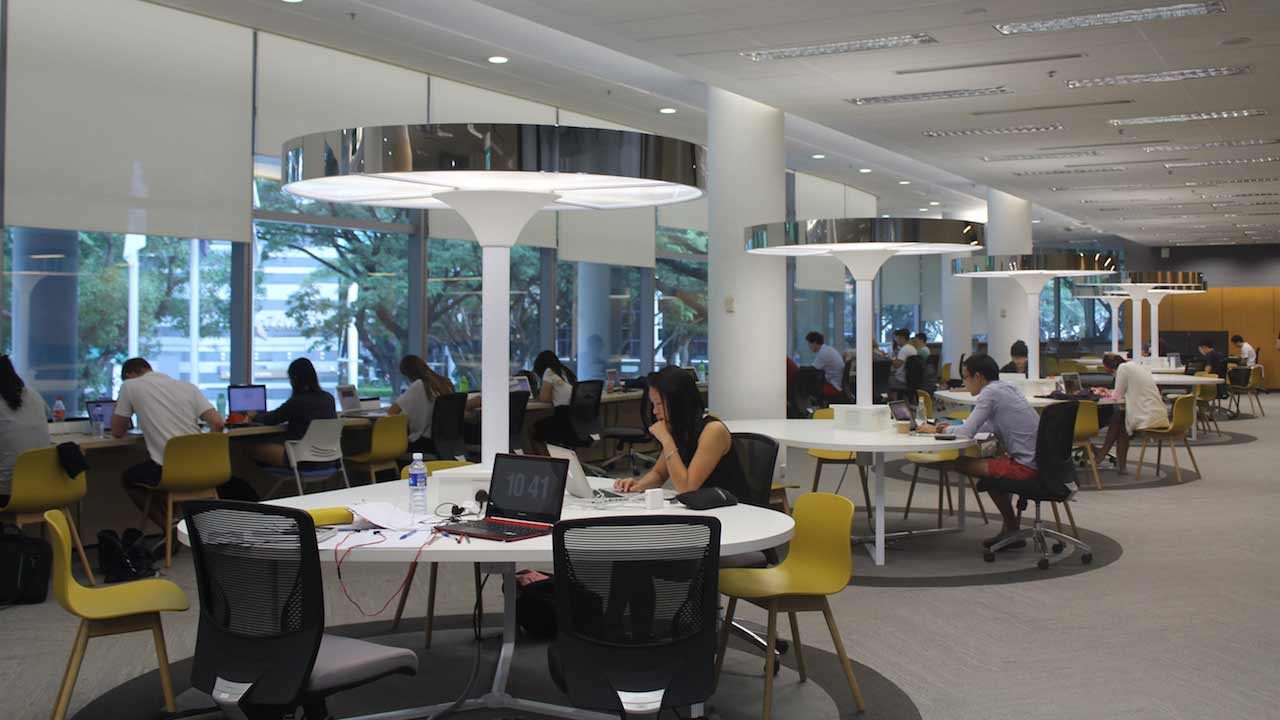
25, 566
707, 498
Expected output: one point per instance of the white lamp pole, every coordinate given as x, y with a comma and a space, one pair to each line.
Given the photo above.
1117, 305
864, 265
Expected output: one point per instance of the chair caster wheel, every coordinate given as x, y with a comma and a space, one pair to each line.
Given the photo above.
1086, 558
1057, 548
989, 556
1042, 563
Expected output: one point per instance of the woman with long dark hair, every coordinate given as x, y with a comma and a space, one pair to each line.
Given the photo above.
697, 449
556, 387
307, 402
419, 400
23, 423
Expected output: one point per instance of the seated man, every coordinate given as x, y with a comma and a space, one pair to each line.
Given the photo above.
1004, 411
1213, 360
1143, 406
1018, 351
828, 360
1246, 352
898, 379
165, 408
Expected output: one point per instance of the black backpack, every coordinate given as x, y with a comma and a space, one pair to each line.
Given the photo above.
126, 558
25, 566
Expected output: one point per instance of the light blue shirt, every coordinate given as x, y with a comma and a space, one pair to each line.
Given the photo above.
1004, 411
829, 361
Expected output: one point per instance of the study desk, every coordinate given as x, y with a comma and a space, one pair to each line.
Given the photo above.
824, 435
744, 529
89, 442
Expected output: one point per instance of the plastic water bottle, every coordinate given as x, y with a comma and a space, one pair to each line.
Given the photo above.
59, 410
418, 489
464, 385
222, 404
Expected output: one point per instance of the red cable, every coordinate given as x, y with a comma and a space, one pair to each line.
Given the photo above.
404, 584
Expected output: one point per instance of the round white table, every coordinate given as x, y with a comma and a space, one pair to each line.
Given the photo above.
824, 435
743, 529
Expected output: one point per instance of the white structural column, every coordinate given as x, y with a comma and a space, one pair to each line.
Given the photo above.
864, 265
193, 311
957, 316
1008, 232
1154, 297
1137, 295
496, 217
747, 313
594, 310
1031, 286
1117, 305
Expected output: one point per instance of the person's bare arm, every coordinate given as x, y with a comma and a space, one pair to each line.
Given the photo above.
655, 478
713, 444
546, 393
119, 426
213, 420
394, 409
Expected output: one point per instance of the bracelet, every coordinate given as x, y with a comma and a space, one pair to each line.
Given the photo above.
667, 457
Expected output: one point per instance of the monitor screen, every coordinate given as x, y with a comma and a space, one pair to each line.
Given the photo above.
517, 383
100, 411
527, 487
1071, 383
243, 398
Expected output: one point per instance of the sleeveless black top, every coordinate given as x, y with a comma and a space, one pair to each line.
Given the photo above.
728, 473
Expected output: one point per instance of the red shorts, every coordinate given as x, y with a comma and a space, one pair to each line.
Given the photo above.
1005, 467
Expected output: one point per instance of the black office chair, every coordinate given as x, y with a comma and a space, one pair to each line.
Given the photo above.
535, 382
807, 393
915, 379
261, 649
636, 609
628, 437
518, 407
880, 372
584, 412
447, 418
1054, 442
849, 382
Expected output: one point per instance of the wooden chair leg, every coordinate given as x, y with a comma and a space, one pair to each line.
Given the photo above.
1173, 452
817, 473
1056, 518
941, 485
168, 530
973, 485
795, 644
844, 658
945, 477
431, 601
162, 659
1071, 517
1159, 453
915, 476
770, 657
1093, 465
75, 538
72, 672
724, 635
404, 595
1142, 453
1190, 454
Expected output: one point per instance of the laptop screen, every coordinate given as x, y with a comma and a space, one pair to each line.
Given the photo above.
901, 411
347, 398
517, 383
1071, 383
528, 488
100, 411
242, 398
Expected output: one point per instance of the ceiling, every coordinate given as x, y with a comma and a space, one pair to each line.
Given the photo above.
622, 60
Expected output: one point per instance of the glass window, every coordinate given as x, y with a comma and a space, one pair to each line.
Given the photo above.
338, 296
680, 314
80, 303
893, 317
816, 310
600, 309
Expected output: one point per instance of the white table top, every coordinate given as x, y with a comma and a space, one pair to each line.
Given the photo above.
1162, 379
743, 528
824, 435
1180, 370
962, 397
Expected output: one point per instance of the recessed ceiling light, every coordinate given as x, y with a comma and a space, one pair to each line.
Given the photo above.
933, 95
1105, 145
495, 59
1116, 17
818, 156
864, 171
1210, 145
1215, 163
1072, 171
904, 182
667, 110
885, 215
934, 202
1231, 181
924, 209
1041, 156
839, 48
1035, 221
991, 63
1013, 130
1240, 40
293, 1
1188, 117
1158, 77
1044, 108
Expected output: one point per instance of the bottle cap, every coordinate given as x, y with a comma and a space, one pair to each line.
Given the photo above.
417, 457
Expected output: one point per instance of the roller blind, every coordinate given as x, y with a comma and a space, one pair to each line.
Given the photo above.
819, 198
858, 204
125, 116
900, 281
576, 119
613, 237
305, 88
455, 102
690, 215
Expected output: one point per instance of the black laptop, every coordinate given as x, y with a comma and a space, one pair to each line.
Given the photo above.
526, 493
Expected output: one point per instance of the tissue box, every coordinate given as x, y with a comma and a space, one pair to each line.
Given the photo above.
862, 418
457, 486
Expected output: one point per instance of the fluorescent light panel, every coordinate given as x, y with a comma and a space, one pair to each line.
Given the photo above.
1041, 156
926, 96
1216, 163
1104, 145
1116, 17
1044, 108
1203, 73
1210, 145
993, 63
1188, 117
1012, 130
1073, 171
839, 48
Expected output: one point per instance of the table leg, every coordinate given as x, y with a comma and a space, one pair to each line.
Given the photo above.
962, 487
878, 460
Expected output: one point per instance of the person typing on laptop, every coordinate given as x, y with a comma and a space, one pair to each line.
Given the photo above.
697, 449
307, 402
1002, 410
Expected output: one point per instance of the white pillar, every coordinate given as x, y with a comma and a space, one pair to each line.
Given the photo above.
353, 337
1117, 305
496, 218
1008, 232
594, 311
1155, 298
864, 265
1031, 286
193, 312
957, 316
133, 244
746, 304
1137, 296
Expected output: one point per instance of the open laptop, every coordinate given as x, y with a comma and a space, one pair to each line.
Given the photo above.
1071, 383
526, 494
246, 398
100, 411
517, 383
901, 412
578, 485
348, 399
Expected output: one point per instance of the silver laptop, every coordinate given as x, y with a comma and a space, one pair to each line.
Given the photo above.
578, 485
348, 398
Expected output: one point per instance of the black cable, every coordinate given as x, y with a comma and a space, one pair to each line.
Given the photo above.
475, 661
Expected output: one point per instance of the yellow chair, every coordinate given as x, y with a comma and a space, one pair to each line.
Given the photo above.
944, 375
39, 485
1206, 399
938, 458
1184, 409
819, 563
388, 441
1250, 389
822, 458
194, 467
1087, 427
433, 466
111, 610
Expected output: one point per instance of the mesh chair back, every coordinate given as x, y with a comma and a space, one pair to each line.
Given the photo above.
40, 483
636, 605
915, 375
758, 455
848, 383
1054, 442
534, 380
446, 425
808, 389
321, 443
880, 371
519, 405
261, 598
584, 410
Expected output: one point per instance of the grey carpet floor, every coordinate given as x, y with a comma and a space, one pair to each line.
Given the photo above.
1182, 625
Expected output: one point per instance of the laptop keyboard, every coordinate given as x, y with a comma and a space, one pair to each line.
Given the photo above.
497, 529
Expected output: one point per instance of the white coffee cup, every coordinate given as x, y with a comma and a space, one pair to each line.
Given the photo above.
653, 498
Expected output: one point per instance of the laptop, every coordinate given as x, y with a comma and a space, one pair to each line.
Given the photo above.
1071, 383
901, 412
246, 398
517, 383
348, 399
526, 494
579, 487
101, 411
